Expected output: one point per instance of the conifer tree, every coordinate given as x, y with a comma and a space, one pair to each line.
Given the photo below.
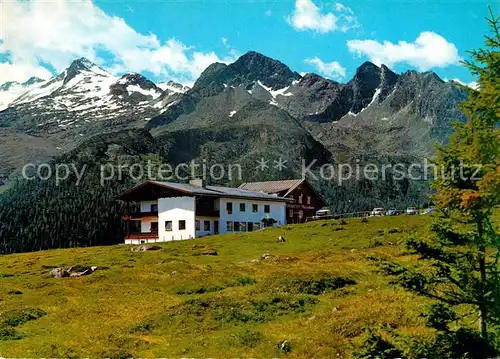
464, 253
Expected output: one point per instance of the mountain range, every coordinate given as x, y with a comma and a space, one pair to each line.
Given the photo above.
256, 99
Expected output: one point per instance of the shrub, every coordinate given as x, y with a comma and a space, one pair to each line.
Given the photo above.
246, 337
144, 327
15, 292
374, 346
463, 343
18, 317
393, 230
375, 242
7, 333
305, 285
219, 310
238, 282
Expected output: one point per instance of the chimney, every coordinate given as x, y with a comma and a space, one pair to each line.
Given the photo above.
197, 182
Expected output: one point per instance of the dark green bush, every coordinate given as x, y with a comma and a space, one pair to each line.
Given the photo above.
246, 337
144, 327
374, 346
238, 282
219, 310
16, 317
7, 333
304, 285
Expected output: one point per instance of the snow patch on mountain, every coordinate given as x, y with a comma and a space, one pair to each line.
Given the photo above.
150, 92
274, 93
374, 98
12, 90
173, 87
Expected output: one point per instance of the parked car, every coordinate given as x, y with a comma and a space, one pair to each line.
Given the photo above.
392, 212
411, 210
428, 210
377, 212
324, 212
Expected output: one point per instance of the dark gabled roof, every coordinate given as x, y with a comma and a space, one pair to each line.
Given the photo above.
280, 186
211, 191
272, 186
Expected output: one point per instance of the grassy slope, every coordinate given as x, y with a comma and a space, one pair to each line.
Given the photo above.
133, 307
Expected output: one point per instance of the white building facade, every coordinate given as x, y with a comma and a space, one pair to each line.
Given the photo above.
172, 211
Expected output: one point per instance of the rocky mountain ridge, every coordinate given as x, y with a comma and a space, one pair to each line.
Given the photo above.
377, 109
377, 112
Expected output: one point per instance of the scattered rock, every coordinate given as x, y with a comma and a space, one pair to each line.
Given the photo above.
336, 309
197, 246
144, 248
339, 229
254, 261
173, 272
285, 346
59, 273
342, 222
266, 256
353, 250
281, 239
312, 318
81, 274
76, 271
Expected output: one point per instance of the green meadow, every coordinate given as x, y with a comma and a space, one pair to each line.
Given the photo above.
314, 295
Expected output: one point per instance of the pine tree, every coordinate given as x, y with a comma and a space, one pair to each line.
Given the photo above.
464, 254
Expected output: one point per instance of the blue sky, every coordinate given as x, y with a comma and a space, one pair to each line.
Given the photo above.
177, 39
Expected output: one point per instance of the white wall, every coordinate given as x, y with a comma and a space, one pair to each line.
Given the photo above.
175, 209
277, 211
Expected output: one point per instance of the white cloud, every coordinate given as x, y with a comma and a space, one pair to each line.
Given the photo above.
308, 16
331, 69
473, 84
427, 51
21, 72
57, 32
342, 7
268, 13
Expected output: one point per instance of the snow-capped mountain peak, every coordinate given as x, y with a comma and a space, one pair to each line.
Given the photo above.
136, 85
82, 65
173, 87
84, 98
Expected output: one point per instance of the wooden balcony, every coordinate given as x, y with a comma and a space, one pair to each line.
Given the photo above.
141, 215
141, 236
